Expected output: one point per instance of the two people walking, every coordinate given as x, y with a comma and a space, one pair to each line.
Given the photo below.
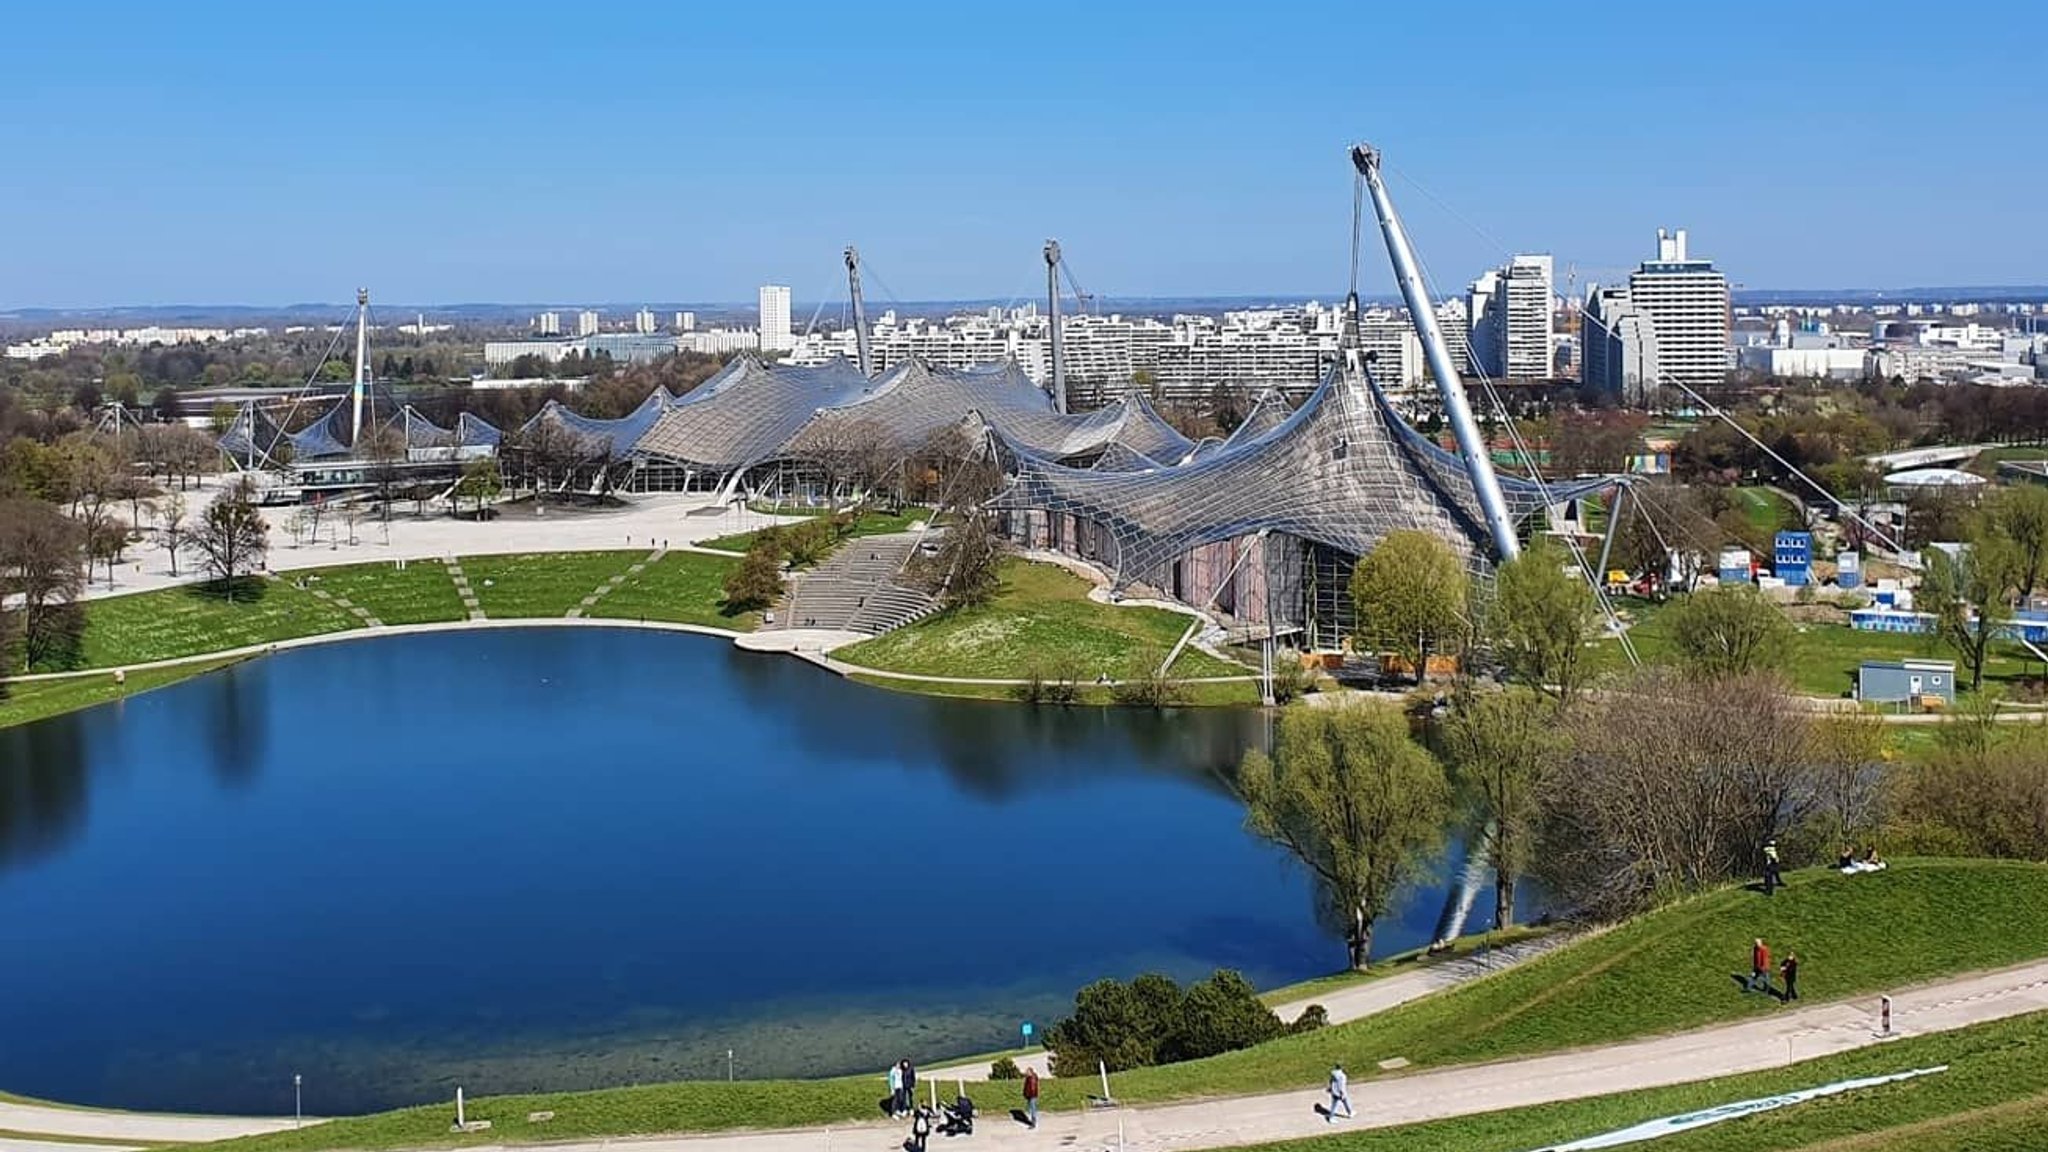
1760, 971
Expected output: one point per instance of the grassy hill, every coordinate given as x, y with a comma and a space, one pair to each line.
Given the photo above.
1667, 971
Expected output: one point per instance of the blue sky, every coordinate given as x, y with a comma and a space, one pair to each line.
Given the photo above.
452, 152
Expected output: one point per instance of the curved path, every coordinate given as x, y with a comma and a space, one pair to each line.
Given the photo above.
1768, 1042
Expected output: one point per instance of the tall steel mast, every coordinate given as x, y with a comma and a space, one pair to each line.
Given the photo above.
1449, 385
1052, 294
355, 433
860, 312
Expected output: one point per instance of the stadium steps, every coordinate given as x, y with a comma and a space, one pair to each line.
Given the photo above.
856, 589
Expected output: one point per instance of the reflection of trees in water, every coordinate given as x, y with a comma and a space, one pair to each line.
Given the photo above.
238, 728
996, 750
42, 787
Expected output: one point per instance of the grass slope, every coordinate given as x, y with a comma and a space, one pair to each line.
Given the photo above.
1667, 971
682, 588
1040, 614
419, 593
871, 524
24, 702
191, 620
542, 584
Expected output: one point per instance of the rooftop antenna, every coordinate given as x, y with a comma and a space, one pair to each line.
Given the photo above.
1449, 385
1052, 292
860, 311
355, 437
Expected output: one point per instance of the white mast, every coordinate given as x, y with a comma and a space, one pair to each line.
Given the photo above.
1449, 385
1052, 295
355, 438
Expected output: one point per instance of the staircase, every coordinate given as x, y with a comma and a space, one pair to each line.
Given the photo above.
856, 589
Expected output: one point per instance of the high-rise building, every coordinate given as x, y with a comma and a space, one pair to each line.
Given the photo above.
643, 322
586, 323
686, 322
1685, 302
1510, 319
1617, 348
548, 324
775, 333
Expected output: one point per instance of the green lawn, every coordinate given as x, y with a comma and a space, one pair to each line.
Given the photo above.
192, 620
1824, 657
541, 584
875, 523
1986, 463
1040, 615
683, 588
419, 593
1765, 510
1233, 695
25, 702
1667, 971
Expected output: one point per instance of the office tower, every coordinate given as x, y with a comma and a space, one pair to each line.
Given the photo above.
1685, 303
775, 333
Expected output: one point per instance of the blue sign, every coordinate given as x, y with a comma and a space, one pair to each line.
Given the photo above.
1027, 1031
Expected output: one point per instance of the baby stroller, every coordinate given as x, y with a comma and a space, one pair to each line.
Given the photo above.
959, 1117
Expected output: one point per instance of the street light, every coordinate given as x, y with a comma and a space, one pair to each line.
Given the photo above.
298, 1113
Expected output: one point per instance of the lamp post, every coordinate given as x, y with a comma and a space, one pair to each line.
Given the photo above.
298, 1113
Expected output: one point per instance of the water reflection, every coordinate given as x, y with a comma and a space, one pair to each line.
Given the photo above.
42, 788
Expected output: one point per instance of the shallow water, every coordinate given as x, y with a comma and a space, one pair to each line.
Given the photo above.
565, 858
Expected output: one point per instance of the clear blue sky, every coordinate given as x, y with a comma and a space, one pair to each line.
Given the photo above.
443, 152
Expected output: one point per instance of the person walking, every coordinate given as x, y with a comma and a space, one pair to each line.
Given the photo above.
1772, 879
896, 1090
909, 1084
1031, 1096
1340, 1093
920, 1128
1760, 966
1788, 970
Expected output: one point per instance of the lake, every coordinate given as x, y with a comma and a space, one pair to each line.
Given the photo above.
563, 858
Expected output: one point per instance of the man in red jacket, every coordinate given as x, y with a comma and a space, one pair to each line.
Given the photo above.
1760, 967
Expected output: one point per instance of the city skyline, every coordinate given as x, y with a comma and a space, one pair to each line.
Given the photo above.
717, 154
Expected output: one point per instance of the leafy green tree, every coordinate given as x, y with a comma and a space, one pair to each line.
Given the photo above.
757, 582
1969, 595
1220, 1014
1729, 630
1500, 746
1355, 800
2020, 514
480, 482
1410, 592
1544, 616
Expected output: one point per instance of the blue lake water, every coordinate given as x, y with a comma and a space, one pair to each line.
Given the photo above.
567, 858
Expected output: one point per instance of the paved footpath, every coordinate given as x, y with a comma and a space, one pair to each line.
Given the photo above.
1771, 1041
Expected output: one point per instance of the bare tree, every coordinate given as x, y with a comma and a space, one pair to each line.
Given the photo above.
42, 557
1673, 783
231, 538
171, 526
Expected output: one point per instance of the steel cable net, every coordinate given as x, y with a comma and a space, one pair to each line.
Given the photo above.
753, 413
614, 437
1341, 471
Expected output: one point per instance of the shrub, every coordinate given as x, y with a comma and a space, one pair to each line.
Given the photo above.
1312, 1017
1290, 679
1152, 1021
1050, 683
1005, 1069
808, 543
1149, 690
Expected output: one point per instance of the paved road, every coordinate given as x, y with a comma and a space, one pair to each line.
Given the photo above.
1768, 1042
58, 1123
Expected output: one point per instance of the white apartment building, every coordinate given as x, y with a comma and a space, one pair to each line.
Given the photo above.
1524, 309
775, 332
686, 321
643, 322
586, 323
1617, 347
1685, 301
548, 324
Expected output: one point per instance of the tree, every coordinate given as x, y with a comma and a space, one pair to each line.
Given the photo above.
1410, 592
1356, 801
480, 482
1546, 615
384, 448
171, 529
757, 582
42, 556
231, 537
2020, 514
1500, 747
1672, 784
1968, 594
1729, 630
